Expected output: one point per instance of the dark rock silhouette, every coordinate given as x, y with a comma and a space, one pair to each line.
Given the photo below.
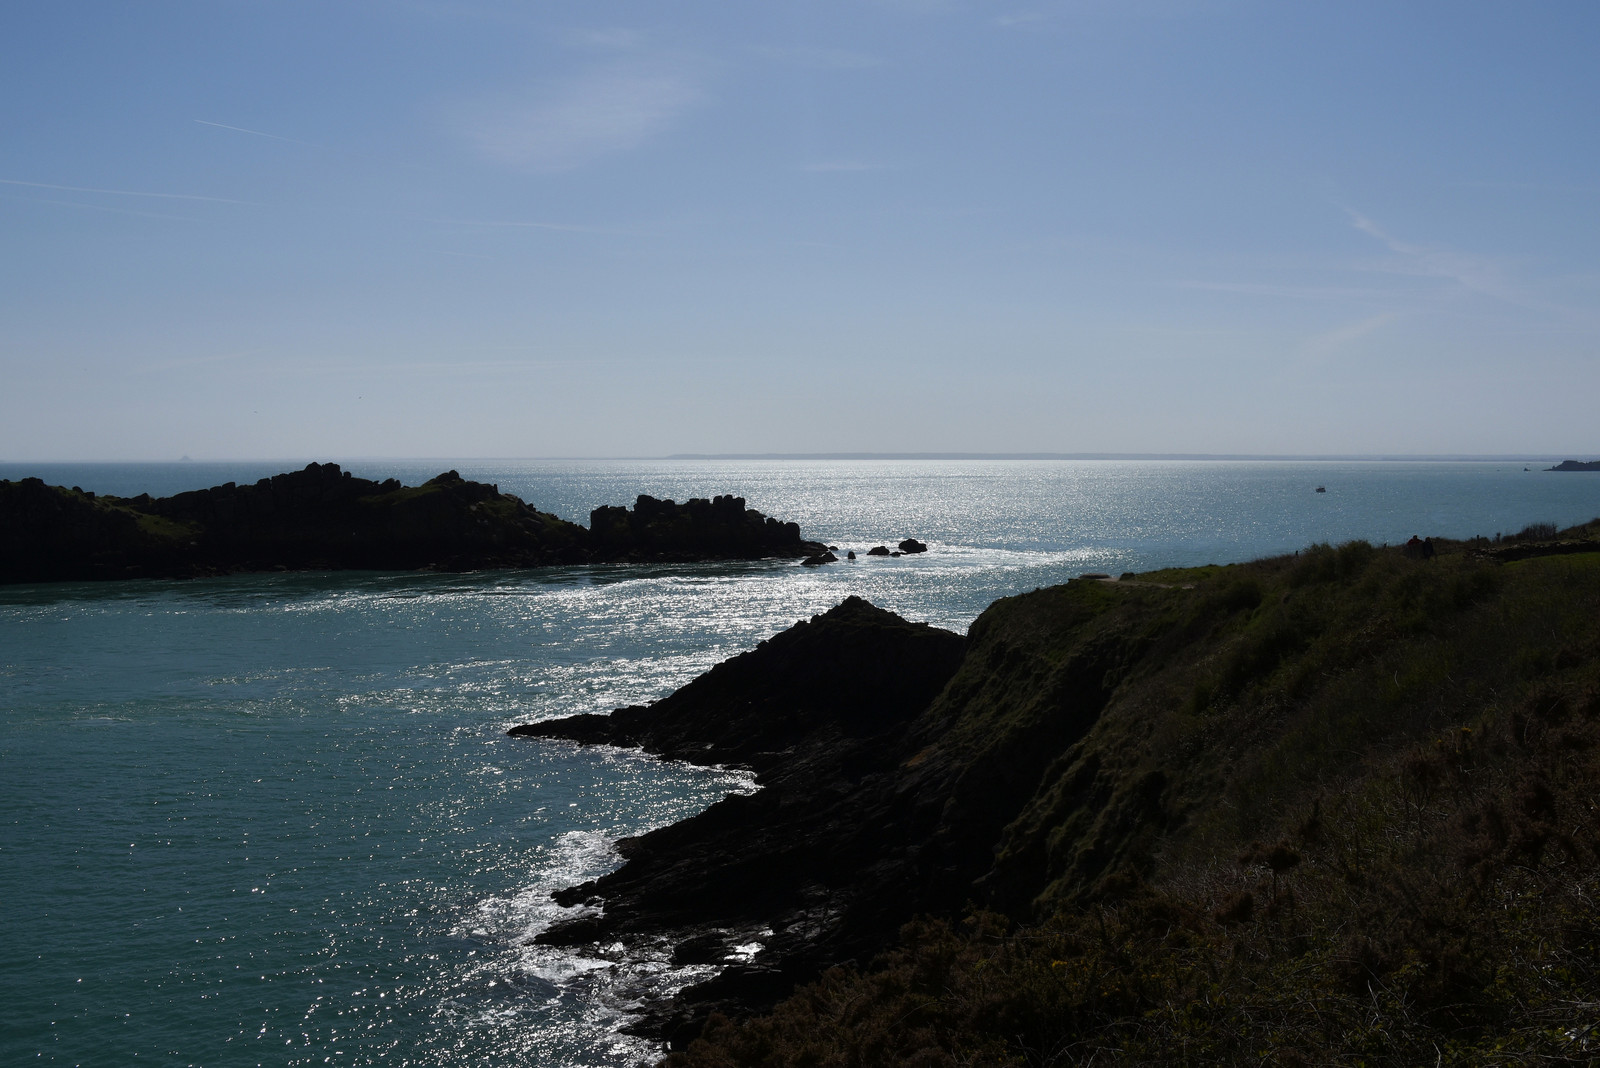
912, 545
879, 800
323, 518
878, 550
822, 854
1575, 465
721, 528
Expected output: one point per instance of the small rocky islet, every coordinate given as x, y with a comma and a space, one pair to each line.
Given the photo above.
324, 518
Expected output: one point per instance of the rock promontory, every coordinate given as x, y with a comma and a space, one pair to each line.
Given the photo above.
1338, 803
822, 713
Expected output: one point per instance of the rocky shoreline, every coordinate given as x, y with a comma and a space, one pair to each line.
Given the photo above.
322, 518
871, 811
820, 855
1094, 749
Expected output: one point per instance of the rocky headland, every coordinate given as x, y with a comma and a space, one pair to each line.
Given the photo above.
322, 518
1337, 806
822, 713
1576, 465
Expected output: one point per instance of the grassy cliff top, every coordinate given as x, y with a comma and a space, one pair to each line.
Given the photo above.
1329, 808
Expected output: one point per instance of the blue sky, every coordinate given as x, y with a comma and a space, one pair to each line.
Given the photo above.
236, 229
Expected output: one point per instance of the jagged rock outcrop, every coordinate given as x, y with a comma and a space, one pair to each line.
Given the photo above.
822, 714
698, 529
1576, 465
888, 775
323, 518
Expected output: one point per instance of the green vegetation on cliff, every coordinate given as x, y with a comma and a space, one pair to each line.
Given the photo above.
1331, 808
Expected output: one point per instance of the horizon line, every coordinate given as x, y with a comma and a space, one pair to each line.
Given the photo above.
1529, 457
1467, 457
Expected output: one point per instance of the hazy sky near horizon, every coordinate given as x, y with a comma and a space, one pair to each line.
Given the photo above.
353, 228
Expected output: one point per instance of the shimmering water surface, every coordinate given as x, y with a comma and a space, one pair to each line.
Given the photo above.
275, 819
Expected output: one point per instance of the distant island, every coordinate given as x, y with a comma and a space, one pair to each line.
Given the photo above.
1576, 465
322, 518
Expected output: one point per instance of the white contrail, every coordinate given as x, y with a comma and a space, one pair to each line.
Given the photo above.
97, 207
119, 192
258, 133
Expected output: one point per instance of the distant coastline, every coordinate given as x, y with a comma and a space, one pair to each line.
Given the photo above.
288, 463
1346, 457
322, 518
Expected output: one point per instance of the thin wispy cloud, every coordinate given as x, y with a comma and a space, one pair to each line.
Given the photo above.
615, 39
1256, 289
187, 363
844, 166
1477, 274
825, 58
365, 371
1025, 18
456, 14
517, 224
118, 192
1045, 14
1537, 187
100, 207
255, 133
603, 112
922, 7
1327, 344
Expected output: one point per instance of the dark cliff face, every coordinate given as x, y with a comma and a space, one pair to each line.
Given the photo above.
323, 518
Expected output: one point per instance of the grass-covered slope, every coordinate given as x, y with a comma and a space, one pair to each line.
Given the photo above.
1333, 808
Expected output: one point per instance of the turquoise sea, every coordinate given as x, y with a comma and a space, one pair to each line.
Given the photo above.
275, 820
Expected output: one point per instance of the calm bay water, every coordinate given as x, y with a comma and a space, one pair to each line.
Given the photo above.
275, 820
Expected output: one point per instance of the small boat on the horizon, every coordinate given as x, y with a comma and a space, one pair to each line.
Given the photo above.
1322, 489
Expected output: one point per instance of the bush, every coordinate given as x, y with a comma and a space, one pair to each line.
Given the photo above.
1536, 532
